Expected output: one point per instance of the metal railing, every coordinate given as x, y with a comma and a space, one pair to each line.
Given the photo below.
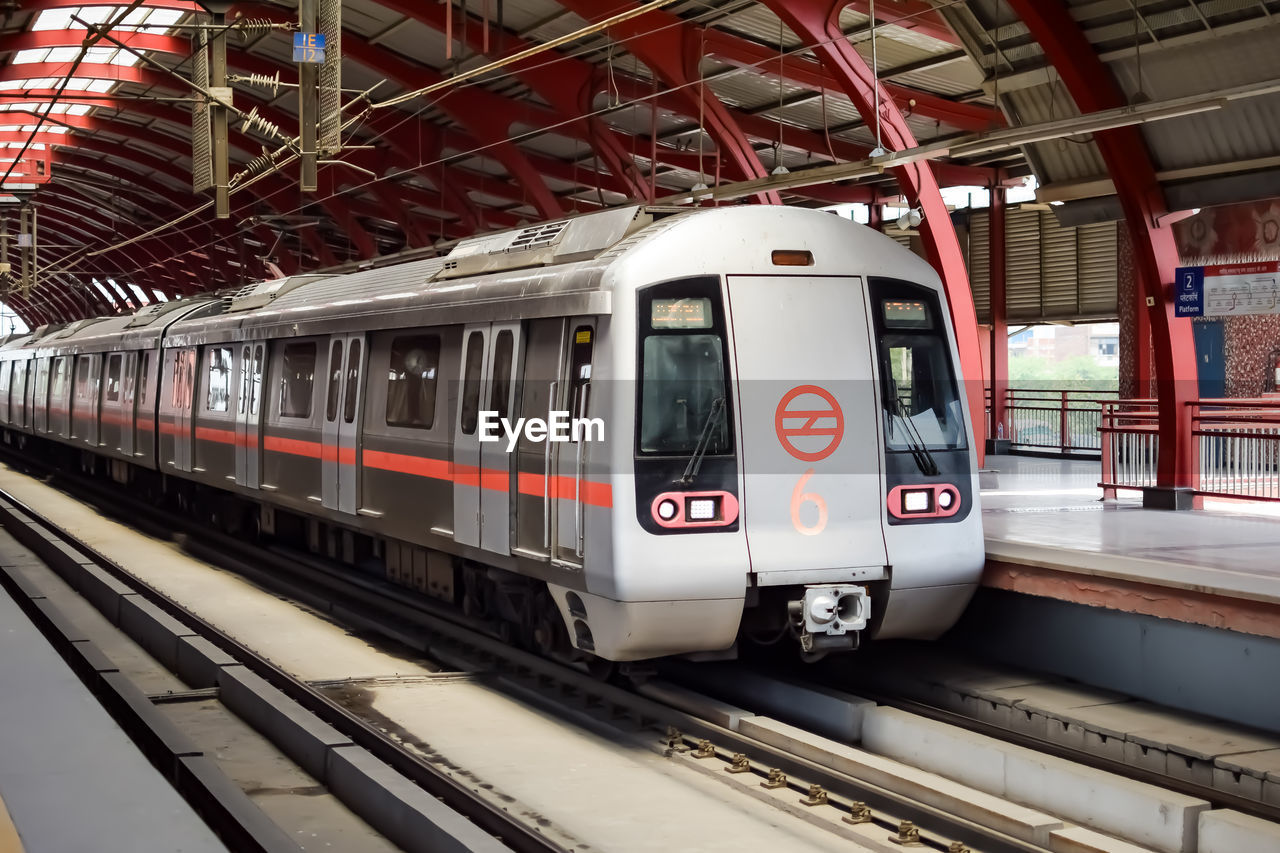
1129, 435
1237, 447
1056, 421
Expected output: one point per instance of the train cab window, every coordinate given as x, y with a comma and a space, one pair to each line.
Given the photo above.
411, 381
918, 387
297, 380
219, 397
470, 414
335, 381
683, 381
113, 377
500, 389
353, 382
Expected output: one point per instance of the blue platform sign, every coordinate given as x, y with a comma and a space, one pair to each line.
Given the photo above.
1188, 292
308, 47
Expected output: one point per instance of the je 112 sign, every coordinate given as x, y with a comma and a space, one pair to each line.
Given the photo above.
1227, 290
308, 47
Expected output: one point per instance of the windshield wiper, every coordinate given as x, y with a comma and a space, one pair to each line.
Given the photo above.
704, 441
919, 450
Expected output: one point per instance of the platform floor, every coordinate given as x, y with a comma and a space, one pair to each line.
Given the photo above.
70, 778
1046, 525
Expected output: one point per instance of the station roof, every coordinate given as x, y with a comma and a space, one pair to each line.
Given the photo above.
697, 92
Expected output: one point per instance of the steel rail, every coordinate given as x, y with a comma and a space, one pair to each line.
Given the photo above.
418, 622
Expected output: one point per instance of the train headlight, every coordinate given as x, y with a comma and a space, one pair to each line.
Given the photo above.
702, 509
916, 500
667, 510
945, 499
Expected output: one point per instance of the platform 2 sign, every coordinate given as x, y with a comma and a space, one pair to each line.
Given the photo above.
308, 47
1227, 290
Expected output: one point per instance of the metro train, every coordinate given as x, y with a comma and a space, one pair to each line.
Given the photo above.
631, 434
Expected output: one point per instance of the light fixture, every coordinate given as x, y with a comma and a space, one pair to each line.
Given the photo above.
911, 219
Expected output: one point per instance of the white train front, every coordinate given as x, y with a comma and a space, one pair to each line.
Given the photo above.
764, 435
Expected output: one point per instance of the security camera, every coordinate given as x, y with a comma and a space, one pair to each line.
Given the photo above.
910, 219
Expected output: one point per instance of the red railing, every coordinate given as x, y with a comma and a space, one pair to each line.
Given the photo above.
1237, 447
1238, 444
1054, 421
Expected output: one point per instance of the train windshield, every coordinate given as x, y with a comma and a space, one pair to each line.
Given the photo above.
918, 385
683, 382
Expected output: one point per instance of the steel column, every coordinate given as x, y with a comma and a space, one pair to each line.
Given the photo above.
999, 314
1155, 255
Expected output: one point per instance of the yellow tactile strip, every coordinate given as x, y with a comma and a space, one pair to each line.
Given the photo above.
9, 840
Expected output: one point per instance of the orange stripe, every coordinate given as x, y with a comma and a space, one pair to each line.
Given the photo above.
221, 436
563, 488
436, 469
294, 446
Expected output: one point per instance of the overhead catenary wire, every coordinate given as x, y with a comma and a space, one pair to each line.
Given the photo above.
479, 149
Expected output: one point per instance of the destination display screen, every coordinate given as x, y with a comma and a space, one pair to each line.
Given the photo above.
688, 313
905, 314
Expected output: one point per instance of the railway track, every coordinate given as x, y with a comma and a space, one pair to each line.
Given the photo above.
791, 777
774, 775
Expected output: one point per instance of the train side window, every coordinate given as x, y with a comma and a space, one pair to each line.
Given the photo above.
297, 380
255, 390
113, 377
411, 381
471, 384
219, 396
500, 396
59, 378
242, 399
144, 367
353, 381
82, 379
335, 380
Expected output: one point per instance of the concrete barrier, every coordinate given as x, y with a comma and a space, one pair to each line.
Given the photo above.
1134, 811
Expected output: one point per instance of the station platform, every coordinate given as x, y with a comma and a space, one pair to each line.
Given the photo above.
1180, 608
70, 778
1048, 529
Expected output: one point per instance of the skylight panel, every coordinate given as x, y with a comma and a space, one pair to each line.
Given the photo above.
142, 297
23, 57
54, 19
13, 84
160, 297
125, 58
106, 293
96, 55
100, 86
164, 17
77, 109
64, 54
97, 14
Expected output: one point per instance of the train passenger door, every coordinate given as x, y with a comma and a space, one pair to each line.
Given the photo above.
569, 458
184, 394
812, 496
126, 376
542, 375
491, 361
40, 396
341, 433
248, 417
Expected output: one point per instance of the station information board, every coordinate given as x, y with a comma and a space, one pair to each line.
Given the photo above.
1227, 290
